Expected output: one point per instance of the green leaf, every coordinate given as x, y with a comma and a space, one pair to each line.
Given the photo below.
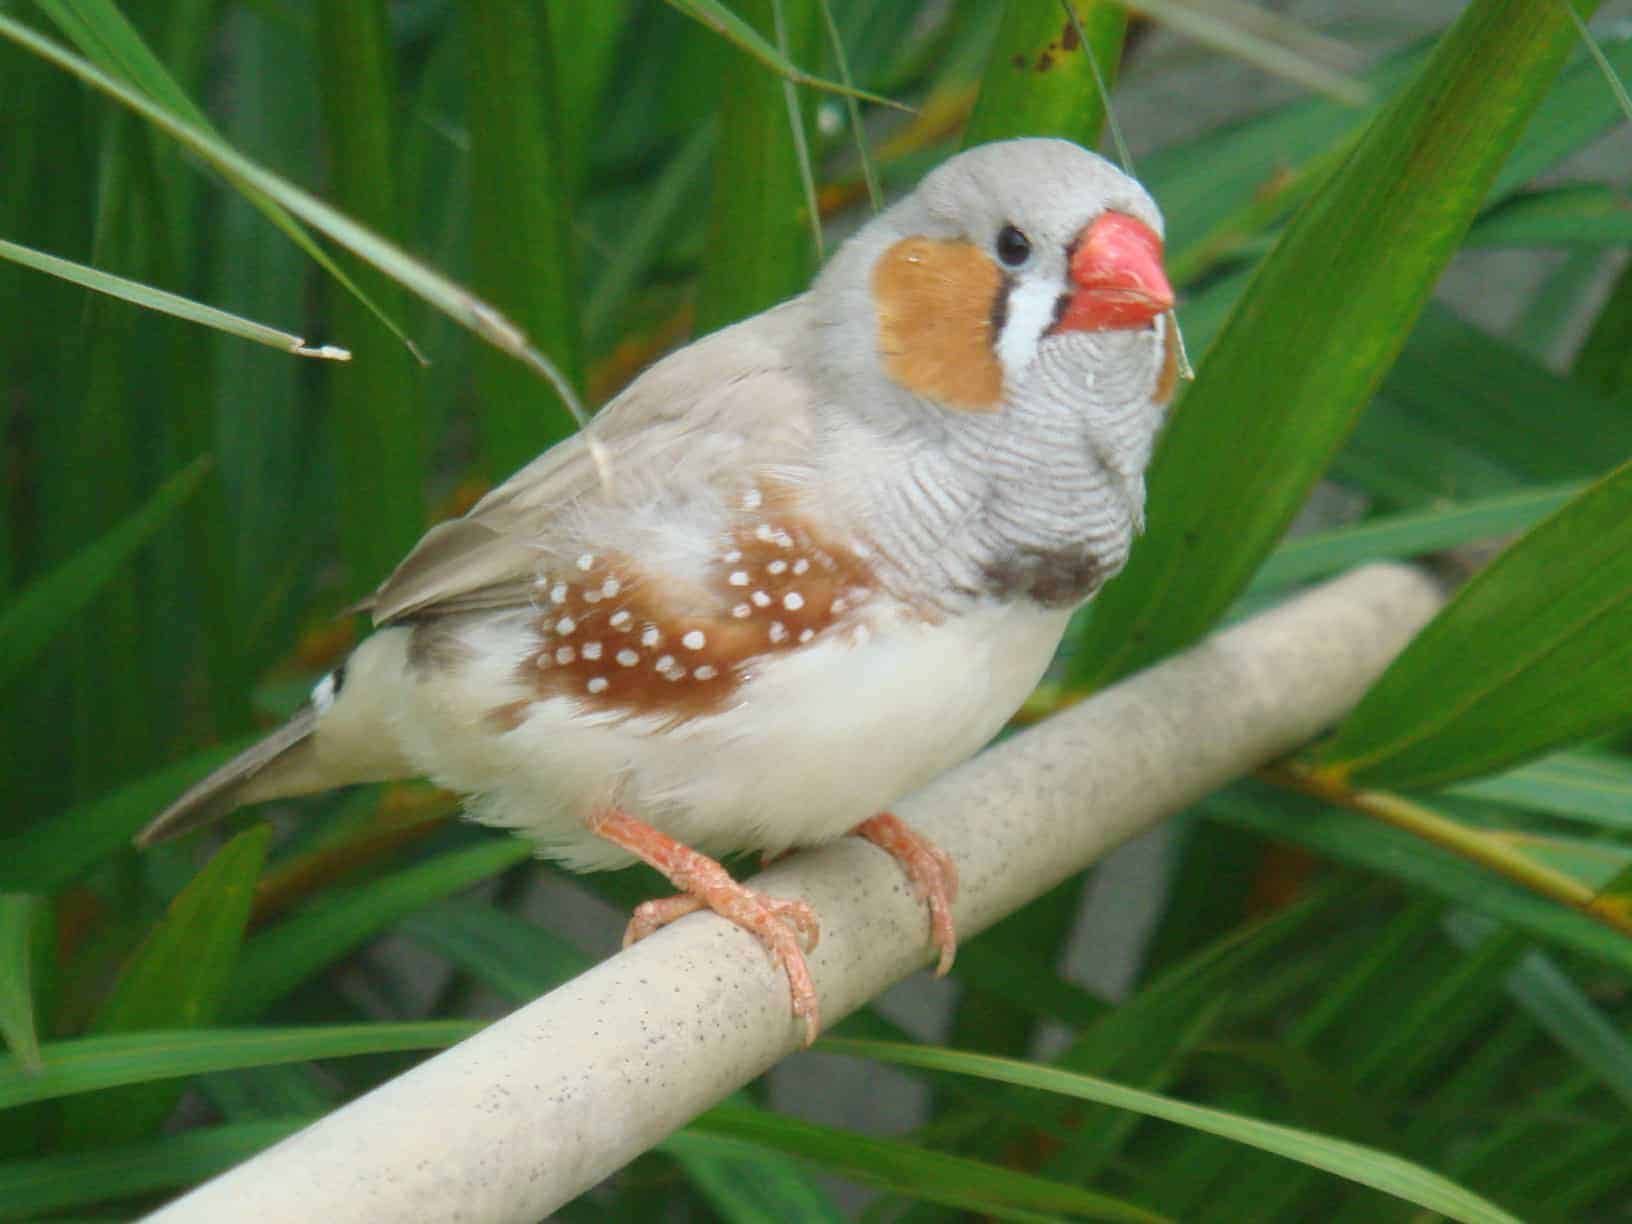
1587, 786
381, 445
20, 915
1586, 215
106, 36
724, 22
1038, 81
1369, 1167
463, 307
521, 216
510, 955
935, 1177
47, 607
169, 303
89, 1064
176, 979
276, 961
1376, 847
758, 235
1530, 655
47, 857
31, 1188
1304, 558
1561, 1007
1333, 302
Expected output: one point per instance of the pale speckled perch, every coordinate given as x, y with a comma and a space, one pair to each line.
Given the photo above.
545, 1103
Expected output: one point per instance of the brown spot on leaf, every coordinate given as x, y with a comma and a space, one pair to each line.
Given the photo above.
935, 301
1019, 62
1068, 37
1045, 61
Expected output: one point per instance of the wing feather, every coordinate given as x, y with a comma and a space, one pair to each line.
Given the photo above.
711, 412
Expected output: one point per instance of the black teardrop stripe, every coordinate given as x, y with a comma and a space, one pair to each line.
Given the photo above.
1000, 311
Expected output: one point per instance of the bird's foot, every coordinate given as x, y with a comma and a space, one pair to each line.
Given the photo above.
787, 929
933, 875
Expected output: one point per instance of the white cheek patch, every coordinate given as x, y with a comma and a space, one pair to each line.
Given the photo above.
1031, 313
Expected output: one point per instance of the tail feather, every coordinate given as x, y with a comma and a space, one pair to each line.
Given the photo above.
252, 774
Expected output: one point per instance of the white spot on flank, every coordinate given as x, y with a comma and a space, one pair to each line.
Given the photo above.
627, 658
558, 593
732, 557
839, 605
592, 650
694, 640
597, 684
764, 533
705, 672
565, 654
753, 499
793, 601
806, 634
801, 565
775, 567
618, 619
611, 587
592, 597
783, 539
586, 562
649, 636
742, 611
738, 578
565, 625
779, 631
761, 600
664, 663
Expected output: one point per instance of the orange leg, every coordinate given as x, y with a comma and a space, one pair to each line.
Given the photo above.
782, 926
934, 877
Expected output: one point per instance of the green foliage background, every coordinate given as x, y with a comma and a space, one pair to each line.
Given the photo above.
1414, 939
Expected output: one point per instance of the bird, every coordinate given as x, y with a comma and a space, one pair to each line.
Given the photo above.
795, 570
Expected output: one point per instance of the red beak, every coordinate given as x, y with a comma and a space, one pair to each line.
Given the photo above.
1117, 268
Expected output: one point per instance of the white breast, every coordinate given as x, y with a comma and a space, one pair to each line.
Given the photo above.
816, 741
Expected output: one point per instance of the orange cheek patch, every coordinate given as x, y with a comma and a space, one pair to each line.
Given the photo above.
934, 300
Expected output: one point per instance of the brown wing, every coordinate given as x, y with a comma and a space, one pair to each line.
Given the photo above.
704, 415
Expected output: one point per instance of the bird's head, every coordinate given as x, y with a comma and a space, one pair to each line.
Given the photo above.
958, 293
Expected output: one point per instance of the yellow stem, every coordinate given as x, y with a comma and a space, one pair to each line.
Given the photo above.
1488, 850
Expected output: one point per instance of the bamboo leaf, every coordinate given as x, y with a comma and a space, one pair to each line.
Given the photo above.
463, 307
758, 234
31, 1188
20, 915
1368, 1166
177, 978
1317, 554
105, 35
276, 961
726, 23
169, 303
1333, 301
1038, 81
89, 1064
521, 214
53, 852
1531, 655
935, 1177
380, 443
47, 607
1586, 786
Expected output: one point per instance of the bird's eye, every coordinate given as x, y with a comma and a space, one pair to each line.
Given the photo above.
1013, 247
